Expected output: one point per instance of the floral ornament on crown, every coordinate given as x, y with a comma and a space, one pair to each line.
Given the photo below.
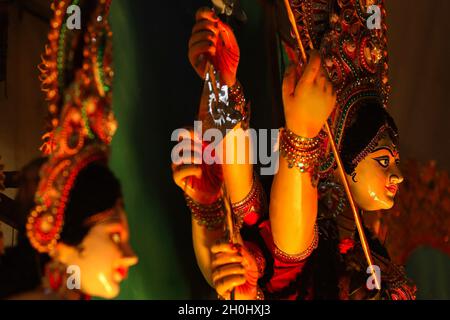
355, 58
79, 94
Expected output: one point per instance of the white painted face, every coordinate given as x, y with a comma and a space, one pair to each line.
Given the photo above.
105, 258
375, 181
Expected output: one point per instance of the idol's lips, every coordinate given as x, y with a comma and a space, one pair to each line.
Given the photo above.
123, 272
392, 189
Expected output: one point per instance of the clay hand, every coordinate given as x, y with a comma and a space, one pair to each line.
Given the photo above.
214, 41
309, 101
201, 182
233, 267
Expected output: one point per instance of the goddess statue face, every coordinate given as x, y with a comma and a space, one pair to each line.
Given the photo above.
104, 258
376, 178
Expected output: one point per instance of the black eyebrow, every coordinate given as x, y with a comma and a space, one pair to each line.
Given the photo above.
385, 148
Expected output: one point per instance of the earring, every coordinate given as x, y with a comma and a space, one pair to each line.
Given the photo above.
354, 176
55, 273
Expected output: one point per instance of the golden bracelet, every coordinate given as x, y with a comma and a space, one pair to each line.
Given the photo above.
254, 201
289, 258
239, 103
212, 216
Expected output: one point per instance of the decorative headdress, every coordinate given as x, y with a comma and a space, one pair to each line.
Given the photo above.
354, 54
76, 75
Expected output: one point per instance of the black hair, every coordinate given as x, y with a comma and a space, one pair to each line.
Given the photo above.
96, 189
367, 118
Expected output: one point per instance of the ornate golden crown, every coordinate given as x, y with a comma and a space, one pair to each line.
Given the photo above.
78, 87
354, 53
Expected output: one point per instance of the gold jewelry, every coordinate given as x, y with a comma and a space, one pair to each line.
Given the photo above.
239, 103
259, 294
372, 144
289, 258
212, 216
254, 202
302, 153
58, 175
107, 215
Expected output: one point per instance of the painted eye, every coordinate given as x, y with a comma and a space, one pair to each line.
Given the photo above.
383, 161
116, 238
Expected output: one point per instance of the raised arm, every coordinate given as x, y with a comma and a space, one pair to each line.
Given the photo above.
213, 41
308, 103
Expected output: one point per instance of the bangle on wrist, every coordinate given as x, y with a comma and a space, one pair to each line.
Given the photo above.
254, 202
238, 102
290, 258
211, 216
302, 153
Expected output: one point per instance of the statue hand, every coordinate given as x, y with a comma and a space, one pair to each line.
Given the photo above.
214, 40
309, 101
233, 267
201, 182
